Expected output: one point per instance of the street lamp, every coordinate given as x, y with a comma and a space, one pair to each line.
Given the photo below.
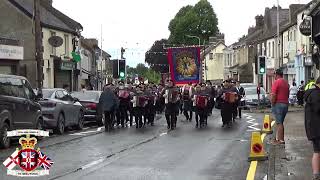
190, 36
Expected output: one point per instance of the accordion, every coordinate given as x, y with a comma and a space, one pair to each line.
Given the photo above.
171, 96
230, 97
124, 94
142, 101
201, 101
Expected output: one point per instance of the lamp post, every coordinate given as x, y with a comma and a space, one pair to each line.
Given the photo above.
278, 36
199, 40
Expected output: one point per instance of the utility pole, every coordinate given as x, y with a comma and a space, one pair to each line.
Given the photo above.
38, 44
101, 74
278, 36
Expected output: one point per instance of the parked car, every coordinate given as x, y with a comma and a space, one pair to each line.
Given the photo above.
19, 108
247, 85
60, 110
251, 97
90, 100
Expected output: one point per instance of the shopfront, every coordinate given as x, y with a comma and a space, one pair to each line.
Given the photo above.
63, 73
10, 55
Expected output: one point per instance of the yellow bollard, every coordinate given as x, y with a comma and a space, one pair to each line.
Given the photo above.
257, 152
267, 127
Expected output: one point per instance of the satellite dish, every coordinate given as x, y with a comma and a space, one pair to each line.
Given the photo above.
55, 41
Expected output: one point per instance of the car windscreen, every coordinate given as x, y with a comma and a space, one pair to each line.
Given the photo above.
47, 93
253, 91
86, 95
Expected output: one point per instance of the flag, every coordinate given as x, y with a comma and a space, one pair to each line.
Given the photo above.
184, 65
44, 161
12, 161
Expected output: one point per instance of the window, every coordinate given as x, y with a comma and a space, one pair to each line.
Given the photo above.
211, 56
5, 88
53, 49
273, 49
269, 47
59, 95
290, 39
294, 35
17, 88
28, 90
66, 45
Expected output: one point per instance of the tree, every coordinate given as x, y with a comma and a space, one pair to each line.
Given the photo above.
142, 71
156, 57
199, 20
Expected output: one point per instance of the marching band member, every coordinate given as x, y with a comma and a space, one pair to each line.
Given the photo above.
124, 97
139, 102
131, 92
196, 93
229, 97
171, 95
150, 107
187, 92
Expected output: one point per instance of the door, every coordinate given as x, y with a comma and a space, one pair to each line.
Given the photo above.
73, 106
22, 118
33, 106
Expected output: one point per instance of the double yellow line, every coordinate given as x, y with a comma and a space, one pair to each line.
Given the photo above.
253, 165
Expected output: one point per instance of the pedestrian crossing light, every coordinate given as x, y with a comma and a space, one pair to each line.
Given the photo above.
262, 64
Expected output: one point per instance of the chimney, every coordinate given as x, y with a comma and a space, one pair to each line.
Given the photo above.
251, 30
293, 9
259, 21
217, 38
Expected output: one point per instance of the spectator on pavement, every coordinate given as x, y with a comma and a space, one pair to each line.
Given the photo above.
300, 93
279, 100
312, 125
293, 93
310, 84
109, 102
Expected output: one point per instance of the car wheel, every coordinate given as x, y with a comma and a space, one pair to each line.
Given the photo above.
80, 121
4, 139
60, 124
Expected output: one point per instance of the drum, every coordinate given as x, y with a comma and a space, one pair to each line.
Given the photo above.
230, 97
202, 101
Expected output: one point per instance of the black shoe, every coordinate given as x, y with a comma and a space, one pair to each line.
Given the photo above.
197, 125
168, 127
223, 125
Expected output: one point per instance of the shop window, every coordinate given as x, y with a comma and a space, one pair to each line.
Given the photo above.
211, 56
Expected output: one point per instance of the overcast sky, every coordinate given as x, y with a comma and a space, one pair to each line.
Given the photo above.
136, 24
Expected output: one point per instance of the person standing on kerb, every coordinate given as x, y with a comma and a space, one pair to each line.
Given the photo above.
312, 124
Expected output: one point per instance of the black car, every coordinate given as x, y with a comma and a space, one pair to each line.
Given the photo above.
19, 108
90, 100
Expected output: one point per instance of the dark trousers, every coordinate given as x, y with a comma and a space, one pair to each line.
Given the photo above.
171, 112
138, 116
201, 114
123, 110
108, 120
234, 110
187, 109
150, 113
131, 114
226, 113
211, 105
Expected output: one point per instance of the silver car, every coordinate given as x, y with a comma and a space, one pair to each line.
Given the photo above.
60, 110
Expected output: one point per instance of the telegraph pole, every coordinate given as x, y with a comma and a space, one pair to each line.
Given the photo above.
38, 44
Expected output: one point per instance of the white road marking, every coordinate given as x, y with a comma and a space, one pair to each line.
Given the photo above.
253, 124
162, 134
266, 177
92, 164
82, 133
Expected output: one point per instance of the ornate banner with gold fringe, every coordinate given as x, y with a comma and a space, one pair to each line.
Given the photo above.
184, 64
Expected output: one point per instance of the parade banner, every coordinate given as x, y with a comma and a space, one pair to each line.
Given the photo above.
184, 64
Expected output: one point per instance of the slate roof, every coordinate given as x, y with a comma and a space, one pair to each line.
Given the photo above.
49, 17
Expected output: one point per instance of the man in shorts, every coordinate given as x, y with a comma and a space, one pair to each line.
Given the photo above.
280, 104
312, 124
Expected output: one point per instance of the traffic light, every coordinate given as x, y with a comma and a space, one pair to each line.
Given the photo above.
122, 69
115, 71
261, 65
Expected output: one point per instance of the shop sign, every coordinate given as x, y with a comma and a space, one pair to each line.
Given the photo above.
65, 65
308, 61
305, 27
11, 52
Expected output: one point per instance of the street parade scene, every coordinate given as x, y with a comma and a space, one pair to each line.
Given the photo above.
160, 90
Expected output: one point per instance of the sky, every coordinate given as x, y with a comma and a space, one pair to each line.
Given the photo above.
137, 24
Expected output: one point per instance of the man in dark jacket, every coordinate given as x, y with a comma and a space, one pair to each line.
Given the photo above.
312, 124
109, 102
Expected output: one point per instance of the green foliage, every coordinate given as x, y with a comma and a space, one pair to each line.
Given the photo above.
199, 20
142, 71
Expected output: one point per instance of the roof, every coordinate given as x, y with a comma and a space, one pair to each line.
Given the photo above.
50, 17
212, 46
11, 76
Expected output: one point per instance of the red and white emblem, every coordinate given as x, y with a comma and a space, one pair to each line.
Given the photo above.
28, 159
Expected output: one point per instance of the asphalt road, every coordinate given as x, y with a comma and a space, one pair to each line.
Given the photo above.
152, 153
